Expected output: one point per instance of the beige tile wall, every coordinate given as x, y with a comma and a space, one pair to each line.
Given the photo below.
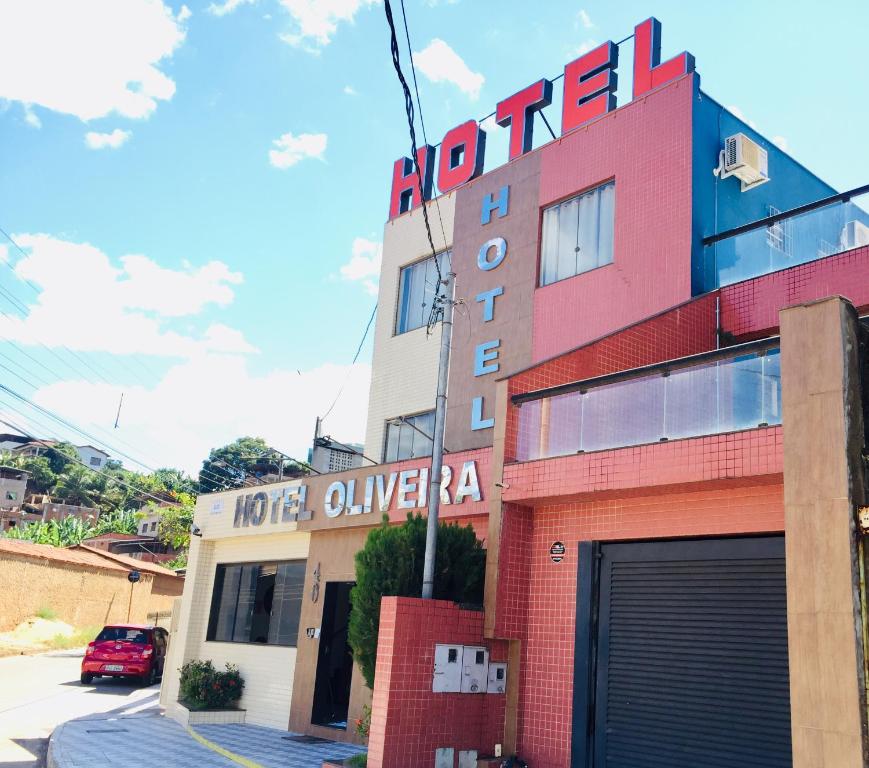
404, 367
267, 670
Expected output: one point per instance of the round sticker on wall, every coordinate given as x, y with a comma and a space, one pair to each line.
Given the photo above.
556, 551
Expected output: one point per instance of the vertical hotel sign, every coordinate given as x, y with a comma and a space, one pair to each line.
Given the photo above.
491, 256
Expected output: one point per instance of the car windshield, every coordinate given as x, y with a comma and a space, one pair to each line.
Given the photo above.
122, 635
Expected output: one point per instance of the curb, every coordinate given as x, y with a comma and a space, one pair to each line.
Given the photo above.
218, 749
50, 759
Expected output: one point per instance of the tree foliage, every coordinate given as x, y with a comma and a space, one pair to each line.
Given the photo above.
391, 563
226, 467
73, 530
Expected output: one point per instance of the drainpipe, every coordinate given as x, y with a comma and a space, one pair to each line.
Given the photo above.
437, 453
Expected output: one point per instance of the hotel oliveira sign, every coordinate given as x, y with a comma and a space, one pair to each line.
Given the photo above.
354, 495
589, 91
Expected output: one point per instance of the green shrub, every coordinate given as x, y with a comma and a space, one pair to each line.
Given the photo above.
391, 563
204, 687
47, 612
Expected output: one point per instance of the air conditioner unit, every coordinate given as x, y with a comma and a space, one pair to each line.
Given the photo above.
854, 234
745, 159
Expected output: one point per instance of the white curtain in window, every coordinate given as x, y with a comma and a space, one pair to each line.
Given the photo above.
578, 234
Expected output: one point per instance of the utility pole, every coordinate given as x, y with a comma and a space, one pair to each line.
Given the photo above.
437, 453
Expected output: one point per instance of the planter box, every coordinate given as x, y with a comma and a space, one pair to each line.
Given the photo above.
180, 714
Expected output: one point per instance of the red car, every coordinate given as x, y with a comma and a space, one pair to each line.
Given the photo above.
126, 650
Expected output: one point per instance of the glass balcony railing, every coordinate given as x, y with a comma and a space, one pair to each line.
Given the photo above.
788, 238
724, 391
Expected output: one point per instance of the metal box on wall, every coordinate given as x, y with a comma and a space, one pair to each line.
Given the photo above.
447, 677
475, 669
497, 677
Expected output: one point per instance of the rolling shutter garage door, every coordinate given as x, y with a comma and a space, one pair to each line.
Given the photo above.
692, 655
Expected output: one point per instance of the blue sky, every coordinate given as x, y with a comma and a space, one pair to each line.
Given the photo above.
201, 275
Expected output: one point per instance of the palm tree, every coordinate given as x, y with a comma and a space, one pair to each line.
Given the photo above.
75, 486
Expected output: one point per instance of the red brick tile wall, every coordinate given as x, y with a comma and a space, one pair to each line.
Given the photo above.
711, 459
750, 308
546, 687
511, 616
409, 722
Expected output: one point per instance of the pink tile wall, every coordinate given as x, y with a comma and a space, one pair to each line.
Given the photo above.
646, 147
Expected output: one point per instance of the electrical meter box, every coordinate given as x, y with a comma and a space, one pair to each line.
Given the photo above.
497, 677
475, 669
447, 676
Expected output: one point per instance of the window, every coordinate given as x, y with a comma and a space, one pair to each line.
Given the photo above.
257, 603
154, 526
778, 235
416, 292
95, 461
578, 234
409, 437
122, 635
11, 495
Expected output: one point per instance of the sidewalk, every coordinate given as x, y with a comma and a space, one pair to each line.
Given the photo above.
149, 738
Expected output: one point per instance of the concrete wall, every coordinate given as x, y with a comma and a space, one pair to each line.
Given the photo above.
404, 366
80, 596
823, 441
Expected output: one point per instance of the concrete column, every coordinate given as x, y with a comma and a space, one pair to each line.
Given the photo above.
823, 485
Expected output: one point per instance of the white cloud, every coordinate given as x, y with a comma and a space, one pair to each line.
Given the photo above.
112, 140
184, 14
583, 48
204, 402
364, 264
290, 149
88, 58
440, 63
228, 6
739, 114
349, 90
317, 20
31, 118
782, 143
88, 303
584, 20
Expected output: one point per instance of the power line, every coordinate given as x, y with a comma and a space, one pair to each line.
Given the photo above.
115, 478
350, 370
23, 308
408, 108
74, 428
419, 108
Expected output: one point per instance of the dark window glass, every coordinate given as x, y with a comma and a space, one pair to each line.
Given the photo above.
257, 603
409, 437
416, 291
122, 635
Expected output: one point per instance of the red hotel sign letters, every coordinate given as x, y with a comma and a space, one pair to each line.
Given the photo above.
589, 91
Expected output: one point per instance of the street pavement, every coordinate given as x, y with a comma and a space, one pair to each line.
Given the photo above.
37, 693
113, 721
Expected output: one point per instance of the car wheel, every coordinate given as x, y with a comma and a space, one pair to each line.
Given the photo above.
86, 678
149, 678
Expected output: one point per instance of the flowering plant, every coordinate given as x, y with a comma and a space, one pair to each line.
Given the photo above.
363, 724
204, 687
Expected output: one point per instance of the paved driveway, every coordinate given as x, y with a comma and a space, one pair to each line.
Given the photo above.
37, 693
